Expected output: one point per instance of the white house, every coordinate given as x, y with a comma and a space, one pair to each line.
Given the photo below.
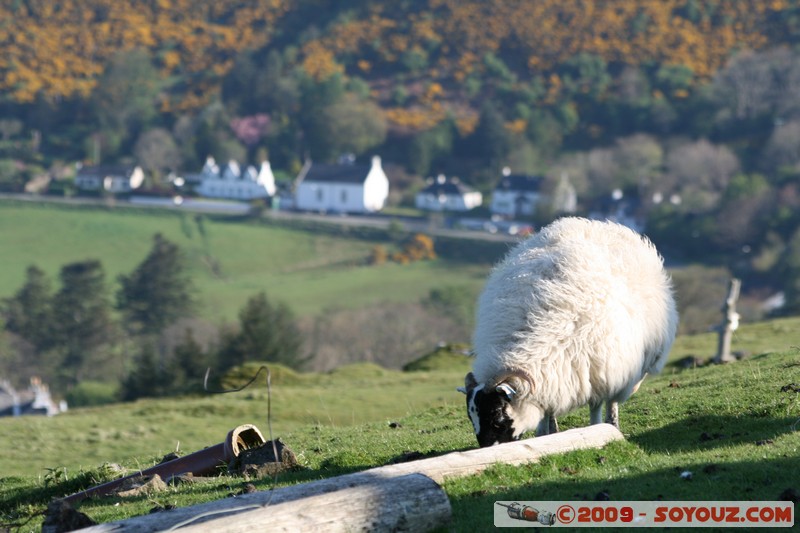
520, 195
342, 188
230, 182
35, 400
111, 178
517, 195
444, 194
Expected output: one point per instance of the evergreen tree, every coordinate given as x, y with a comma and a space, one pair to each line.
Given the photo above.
158, 291
29, 312
317, 98
82, 318
267, 333
491, 139
147, 379
189, 364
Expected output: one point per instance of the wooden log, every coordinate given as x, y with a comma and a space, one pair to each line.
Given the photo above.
305, 506
354, 502
405, 503
457, 464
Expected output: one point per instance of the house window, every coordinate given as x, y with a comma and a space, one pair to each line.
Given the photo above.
319, 195
343, 197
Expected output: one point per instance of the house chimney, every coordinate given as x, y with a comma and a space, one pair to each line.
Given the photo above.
506, 171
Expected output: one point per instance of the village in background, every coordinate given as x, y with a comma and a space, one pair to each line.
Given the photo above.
475, 120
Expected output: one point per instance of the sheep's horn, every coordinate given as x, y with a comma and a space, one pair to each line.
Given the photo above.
521, 374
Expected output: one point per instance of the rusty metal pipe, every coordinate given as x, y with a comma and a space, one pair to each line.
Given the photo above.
199, 463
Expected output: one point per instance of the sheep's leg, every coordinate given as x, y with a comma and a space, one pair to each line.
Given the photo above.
547, 426
543, 428
596, 413
553, 423
612, 413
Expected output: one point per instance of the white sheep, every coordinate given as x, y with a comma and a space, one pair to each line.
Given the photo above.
577, 314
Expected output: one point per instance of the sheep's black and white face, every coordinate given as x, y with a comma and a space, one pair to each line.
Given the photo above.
495, 416
488, 412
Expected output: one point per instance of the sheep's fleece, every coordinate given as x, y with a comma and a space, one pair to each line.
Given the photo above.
577, 314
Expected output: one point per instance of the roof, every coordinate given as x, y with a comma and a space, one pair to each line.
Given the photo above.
448, 188
520, 182
337, 173
106, 170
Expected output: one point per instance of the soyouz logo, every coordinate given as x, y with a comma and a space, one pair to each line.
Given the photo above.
644, 514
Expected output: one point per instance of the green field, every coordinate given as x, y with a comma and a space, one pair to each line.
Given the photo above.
731, 425
230, 261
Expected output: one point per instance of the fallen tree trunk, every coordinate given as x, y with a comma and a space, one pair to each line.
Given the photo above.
397, 494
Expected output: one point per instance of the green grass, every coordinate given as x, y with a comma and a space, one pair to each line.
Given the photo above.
730, 425
312, 271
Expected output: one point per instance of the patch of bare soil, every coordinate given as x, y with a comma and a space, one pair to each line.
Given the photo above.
61, 517
260, 462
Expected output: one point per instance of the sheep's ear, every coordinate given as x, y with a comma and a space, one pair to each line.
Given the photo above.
469, 381
507, 391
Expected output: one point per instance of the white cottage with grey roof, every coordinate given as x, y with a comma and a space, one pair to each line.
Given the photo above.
447, 194
233, 183
342, 188
110, 178
517, 195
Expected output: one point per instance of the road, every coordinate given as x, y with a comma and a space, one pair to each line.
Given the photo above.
216, 207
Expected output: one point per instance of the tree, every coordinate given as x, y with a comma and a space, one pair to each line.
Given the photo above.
354, 125
640, 160
29, 313
491, 139
700, 172
267, 332
388, 334
158, 291
753, 84
782, 150
188, 365
429, 146
742, 213
125, 97
251, 87
9, 127
545, 131
586, 74
211, 135
790, 266
82, 318
454, 301
157, 152
12, 177
148, 378
602, 169
316, 98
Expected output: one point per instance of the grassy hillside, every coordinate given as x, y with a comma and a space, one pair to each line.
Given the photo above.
731, 425
229, 261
